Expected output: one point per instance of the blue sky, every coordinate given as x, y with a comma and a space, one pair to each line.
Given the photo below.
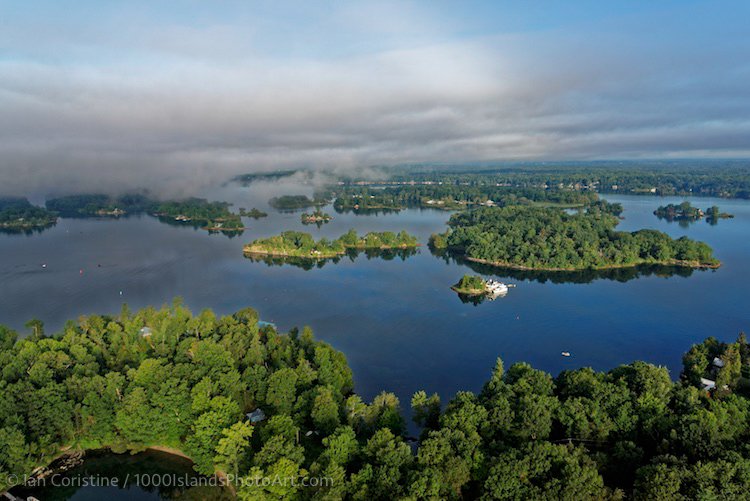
124, 92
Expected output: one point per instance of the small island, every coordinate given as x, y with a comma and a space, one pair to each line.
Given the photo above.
295, 202
550, 239
296, 244
18, 214
472, 285
687, 212
253, 213
211, 216
316, 217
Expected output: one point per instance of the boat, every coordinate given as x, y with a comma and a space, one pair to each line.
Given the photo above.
496, 288
565, 354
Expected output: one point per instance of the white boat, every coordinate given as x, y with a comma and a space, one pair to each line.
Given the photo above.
565, 354
496, 288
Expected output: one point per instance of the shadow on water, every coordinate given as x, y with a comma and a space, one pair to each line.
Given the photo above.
365, 211
575, 277
351, 255
147, 475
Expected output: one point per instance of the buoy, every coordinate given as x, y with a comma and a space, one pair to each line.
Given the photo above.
121, 293
80, 272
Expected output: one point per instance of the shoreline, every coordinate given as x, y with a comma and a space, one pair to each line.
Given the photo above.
71, 457
327, 255
683, 264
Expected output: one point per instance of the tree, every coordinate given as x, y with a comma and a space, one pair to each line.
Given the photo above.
325, 411
426, 410
233, 447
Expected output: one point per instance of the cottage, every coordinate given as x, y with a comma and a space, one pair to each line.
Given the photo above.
707, 384
256, 416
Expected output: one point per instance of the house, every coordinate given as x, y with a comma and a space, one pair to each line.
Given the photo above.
718, 363
146, 332
707, 384
256, 416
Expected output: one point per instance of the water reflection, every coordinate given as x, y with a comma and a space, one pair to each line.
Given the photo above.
576, 277
351, 255
147, 475
25, 230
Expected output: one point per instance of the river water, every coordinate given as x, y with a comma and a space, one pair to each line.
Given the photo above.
399, 324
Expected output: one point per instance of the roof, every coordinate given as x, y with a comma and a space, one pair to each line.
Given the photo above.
708, 384
146, 331
718, 362
256, 416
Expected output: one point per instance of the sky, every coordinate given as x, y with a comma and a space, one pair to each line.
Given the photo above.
177, 95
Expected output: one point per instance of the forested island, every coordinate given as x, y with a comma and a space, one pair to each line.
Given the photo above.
253, 213
296, 244
198, 212
316, 217
686, 212
547, 238
295, 202
472, 285
197, 384
18, 214
212, 216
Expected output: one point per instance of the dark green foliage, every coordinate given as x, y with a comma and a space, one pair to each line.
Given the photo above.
303, 245
630, 432
684, 211
550, 238
211, 215
294, 202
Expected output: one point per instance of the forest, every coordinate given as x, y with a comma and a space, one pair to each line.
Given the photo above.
303, 245
18, 213
549, 238
170, 378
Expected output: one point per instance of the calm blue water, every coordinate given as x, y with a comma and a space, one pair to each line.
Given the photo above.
399, 324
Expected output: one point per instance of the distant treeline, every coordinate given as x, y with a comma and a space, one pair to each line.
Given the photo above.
451, 197
214, 216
